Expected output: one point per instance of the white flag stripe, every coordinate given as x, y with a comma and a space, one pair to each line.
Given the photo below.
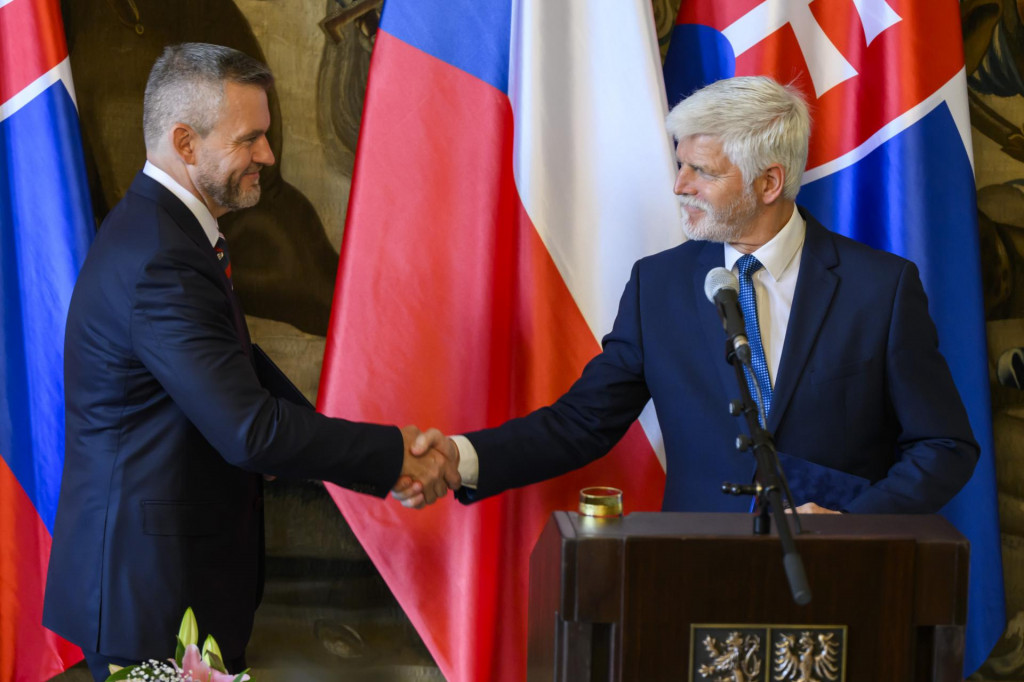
952, 93
61, 72
593, 163
652, 429
875, 17
955, 94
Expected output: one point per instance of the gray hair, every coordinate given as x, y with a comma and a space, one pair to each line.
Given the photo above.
758, 121
186, 85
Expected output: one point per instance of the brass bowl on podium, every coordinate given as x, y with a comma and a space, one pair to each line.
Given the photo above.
601, 502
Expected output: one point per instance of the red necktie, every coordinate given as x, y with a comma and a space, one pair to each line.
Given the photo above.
221, 249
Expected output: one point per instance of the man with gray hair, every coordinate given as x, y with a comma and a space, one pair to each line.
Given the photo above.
845, 356
171, 413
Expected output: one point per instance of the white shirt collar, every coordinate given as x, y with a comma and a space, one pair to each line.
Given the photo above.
778, 253
191, 201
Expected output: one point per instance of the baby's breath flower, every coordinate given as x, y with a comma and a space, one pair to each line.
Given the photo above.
154, 671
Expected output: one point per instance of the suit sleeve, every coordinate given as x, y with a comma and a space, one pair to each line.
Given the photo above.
582, 425
935, 449
182, 331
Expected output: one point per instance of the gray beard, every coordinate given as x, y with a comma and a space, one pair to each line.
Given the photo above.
226, 193
720, 225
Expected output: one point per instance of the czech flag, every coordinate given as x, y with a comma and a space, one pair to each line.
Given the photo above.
512, 165
46, 227
889, 165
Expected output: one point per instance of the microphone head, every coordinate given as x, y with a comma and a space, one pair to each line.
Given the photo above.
718, 279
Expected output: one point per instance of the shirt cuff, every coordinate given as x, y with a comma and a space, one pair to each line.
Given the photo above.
469, 462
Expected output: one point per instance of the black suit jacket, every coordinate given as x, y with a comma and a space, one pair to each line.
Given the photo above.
862, 393
168, 430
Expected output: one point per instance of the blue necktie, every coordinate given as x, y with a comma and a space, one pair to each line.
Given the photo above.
748, 265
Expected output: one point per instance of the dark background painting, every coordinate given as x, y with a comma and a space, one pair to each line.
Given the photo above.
994, 56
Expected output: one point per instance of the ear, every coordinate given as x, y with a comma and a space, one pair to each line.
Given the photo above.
184, 141
772, 181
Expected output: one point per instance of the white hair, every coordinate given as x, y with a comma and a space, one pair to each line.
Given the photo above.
758, 122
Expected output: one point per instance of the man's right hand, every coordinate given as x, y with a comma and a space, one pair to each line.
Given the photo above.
430, 468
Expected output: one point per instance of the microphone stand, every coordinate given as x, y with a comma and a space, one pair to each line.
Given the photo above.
770, 483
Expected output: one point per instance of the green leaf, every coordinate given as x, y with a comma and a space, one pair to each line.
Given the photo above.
238, 677
179, 652
122, 674
215, 662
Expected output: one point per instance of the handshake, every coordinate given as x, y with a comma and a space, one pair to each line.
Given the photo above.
430, 467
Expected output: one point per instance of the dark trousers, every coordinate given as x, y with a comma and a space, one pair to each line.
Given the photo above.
98, 664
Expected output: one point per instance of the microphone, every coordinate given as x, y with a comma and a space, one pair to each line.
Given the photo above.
723, 289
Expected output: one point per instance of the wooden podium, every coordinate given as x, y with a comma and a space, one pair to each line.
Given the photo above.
672, 596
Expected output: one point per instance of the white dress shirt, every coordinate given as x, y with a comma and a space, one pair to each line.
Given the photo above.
774, 286
191, 201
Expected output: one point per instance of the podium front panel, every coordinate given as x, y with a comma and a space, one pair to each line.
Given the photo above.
616, 600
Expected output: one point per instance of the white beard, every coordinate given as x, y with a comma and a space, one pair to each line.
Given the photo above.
728, 224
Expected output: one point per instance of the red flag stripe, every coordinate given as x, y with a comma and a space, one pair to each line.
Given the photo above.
31, 43
27, 650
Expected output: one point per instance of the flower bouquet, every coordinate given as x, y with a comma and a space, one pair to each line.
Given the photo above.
188, 665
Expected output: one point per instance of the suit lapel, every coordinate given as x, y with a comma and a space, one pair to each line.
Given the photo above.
815, 288
712, 255
147, 187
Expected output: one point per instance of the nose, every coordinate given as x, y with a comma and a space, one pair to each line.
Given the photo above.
262, 153
683, 178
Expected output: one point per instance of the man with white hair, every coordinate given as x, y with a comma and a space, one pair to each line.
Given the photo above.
862, 406
171, 414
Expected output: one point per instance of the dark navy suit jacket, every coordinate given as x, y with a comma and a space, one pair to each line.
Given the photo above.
168, 429
862, 389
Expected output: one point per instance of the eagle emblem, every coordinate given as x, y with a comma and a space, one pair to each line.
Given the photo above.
807, 657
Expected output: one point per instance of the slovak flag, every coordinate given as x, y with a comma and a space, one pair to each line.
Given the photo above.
890, 165
46, 227
512, 165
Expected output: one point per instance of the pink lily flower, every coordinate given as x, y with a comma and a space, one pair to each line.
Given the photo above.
193, 667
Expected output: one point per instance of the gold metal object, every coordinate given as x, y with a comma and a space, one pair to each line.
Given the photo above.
725, 652
600, 501
807, 657
737, 656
